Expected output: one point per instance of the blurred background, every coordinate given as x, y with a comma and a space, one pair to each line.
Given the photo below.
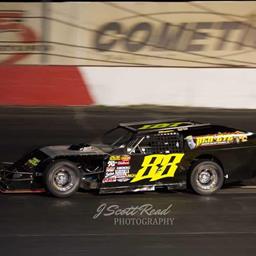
126, 53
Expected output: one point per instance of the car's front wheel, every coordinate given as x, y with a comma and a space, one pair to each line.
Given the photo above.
206, 177
62, 178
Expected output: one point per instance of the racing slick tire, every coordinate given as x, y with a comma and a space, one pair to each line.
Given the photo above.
206, 177
62, 179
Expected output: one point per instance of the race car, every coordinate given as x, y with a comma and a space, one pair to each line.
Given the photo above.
139, 156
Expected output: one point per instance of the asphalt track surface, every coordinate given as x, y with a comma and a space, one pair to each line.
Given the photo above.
223, 224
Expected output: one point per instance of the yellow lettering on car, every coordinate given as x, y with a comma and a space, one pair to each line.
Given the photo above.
163, 125
154, 126
220, 138
34, 161
158, 166
115, 158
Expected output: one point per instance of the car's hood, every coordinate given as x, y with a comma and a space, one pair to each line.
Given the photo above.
81, 149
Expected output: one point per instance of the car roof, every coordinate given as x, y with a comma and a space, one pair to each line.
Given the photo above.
161, 125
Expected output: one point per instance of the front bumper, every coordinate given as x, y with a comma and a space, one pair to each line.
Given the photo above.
4, 167
14, 181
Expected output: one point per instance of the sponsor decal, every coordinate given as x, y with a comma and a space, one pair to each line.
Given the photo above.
123, 163
164, 125
33, 162
118, 168
87, 149
131, 175
217, 139
110, 171
111, 163
109, 179
109, 174
27, 40
158, 166
123, 179
120, 158
122, 172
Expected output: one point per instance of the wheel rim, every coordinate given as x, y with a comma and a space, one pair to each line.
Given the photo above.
63, 179
207, 178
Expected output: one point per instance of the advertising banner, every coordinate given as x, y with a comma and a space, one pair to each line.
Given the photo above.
188, 34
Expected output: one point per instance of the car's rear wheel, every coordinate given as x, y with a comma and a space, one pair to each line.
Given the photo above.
62, 178
206, 177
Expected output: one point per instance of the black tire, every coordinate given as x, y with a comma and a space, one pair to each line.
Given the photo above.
62, 179
206, 177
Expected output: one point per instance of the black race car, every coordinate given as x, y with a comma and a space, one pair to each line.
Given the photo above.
139, 156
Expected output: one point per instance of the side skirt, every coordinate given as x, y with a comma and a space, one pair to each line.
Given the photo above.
22, 191
142, 188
